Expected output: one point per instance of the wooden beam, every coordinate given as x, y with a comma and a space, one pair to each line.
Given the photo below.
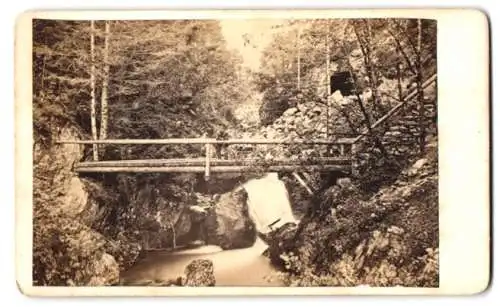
210, 141
213, 169
213, 162
303, 183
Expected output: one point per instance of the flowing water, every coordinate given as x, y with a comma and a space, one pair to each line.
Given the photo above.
268, 203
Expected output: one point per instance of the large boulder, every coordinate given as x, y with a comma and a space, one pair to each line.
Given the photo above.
228, 223
106, 271
199, 273
290, 111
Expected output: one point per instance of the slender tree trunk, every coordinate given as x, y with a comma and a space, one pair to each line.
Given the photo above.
419, 86
93, 125
365, 43
367, 120
400, 87
104, 95
351, 125
406, 35
174, 239
362, 108
298, 58
328, 87
399, 47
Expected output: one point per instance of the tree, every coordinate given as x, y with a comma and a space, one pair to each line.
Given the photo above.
104, 95
93, 122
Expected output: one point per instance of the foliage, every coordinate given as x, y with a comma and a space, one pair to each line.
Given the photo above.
390, 42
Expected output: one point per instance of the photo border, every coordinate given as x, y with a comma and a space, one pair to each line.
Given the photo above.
464, 150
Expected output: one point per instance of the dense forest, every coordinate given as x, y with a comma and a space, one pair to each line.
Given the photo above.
179, 79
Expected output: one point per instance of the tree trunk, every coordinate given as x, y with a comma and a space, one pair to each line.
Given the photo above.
400, 87
401, 50
298, 59
328, 86
104, 95
93, 125
174, 239
366, 116
365, 44
419, 86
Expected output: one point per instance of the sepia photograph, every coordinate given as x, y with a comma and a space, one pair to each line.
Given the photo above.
230, 152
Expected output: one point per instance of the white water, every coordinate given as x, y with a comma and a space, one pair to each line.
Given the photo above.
267, 201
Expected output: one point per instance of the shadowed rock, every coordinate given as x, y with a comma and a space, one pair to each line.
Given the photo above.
200, 273
228, 223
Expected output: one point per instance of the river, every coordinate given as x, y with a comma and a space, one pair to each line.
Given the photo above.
239, 267
267, 202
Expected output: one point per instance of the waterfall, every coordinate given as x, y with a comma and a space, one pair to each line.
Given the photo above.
269, 203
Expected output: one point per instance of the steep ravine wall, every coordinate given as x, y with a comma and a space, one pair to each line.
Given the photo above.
388, 239
67, 250
89, 228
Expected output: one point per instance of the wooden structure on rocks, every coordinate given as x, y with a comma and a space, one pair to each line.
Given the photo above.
344, 161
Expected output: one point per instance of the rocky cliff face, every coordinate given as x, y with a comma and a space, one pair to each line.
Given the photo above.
87, 229
387, 240
67, 250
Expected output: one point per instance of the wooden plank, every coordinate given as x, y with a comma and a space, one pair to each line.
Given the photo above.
210, 141
213, 162
213, 169
303, 183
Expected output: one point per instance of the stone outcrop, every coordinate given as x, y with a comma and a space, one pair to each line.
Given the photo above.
228, 224
106, 271
199, 273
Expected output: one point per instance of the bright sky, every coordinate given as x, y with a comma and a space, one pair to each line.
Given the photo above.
259, 33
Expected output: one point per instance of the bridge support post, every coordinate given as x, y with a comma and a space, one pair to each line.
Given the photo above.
207, 161
353, 159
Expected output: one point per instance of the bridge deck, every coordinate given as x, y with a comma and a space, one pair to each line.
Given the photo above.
203, 141
198, 165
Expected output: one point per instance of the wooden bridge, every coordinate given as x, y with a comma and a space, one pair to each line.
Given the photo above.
208, 164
